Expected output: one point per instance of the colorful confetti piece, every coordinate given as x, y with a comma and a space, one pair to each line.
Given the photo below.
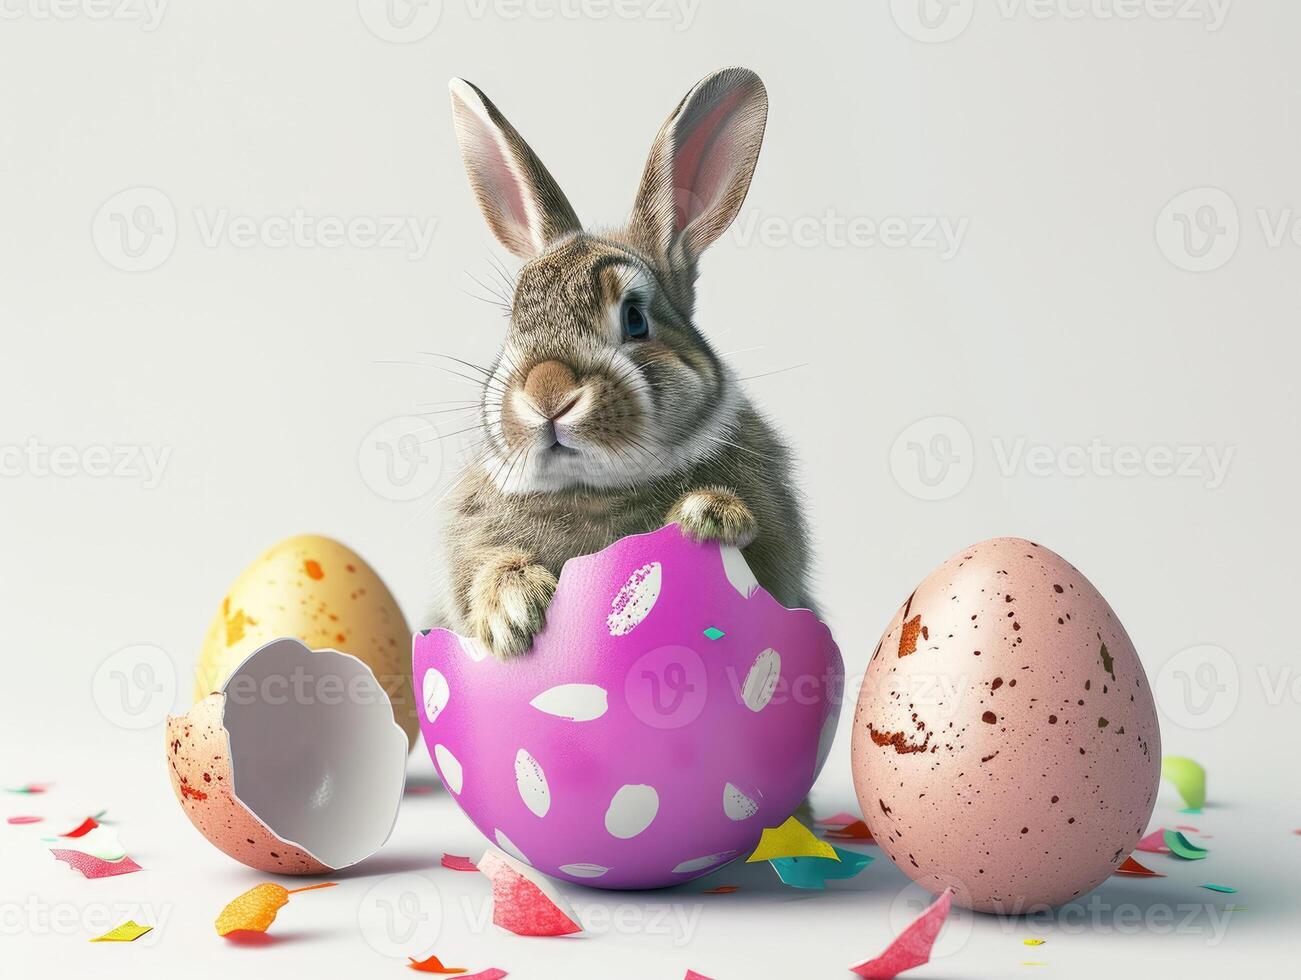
256, 909
128, 932
1153, 843
693, 975
1222, 889
857, 830
93, 867
31, 789
841, 819
791, 839
524, 905
18, 821
1034, 942
1134, 869
102, 843
1188, 778
433, 964
489, 974
457, 863
1182, 847
722, 890
814, 872
912, 947
714, 633
83, 828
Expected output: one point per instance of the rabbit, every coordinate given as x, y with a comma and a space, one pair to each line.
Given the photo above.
607, 413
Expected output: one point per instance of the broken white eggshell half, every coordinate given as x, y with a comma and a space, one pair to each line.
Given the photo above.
296, 766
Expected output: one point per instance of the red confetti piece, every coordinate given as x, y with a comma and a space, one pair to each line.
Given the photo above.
433, 965
83, 828
93, 867
1132, 867
1185, 827
458, 863
693, 975
858, 830
24, 820
912, 947
30, 788
490, 974
841, 819
723, 890
520, 904
1153, 843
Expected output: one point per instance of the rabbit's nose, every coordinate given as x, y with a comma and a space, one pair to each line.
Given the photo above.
551, 388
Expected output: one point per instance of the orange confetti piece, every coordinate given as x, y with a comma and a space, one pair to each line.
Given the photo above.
723, 890
434, 965
858, 830
1132, 867
256, 909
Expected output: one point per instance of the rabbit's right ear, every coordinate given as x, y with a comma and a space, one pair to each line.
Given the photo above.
701, 164
521, 200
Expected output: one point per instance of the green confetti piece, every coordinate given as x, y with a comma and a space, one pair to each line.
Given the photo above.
714, 633
815, 872
1181, 846
1222, 889
1188, 778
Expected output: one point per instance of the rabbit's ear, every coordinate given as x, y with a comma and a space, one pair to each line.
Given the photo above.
521, 200
702, 161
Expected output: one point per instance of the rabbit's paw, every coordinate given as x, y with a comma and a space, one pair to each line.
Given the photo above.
509, 600
715, 514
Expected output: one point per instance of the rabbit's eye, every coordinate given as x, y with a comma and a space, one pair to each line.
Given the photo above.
635, 324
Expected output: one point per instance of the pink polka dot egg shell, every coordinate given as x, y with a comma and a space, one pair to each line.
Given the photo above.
669, 712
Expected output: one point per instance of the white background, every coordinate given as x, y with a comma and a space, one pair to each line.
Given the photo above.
1090, 306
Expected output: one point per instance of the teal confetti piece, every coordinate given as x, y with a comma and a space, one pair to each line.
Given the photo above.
714, 633
815, 872
1222, 889
1182, 847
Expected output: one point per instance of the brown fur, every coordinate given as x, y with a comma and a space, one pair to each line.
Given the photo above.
662, 433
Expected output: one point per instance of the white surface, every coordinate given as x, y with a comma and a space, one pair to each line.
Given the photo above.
1056, 150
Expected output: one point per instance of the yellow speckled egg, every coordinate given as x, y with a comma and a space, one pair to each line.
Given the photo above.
319, 591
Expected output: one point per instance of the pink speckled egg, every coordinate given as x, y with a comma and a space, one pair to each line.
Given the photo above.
669, 712
1005, 740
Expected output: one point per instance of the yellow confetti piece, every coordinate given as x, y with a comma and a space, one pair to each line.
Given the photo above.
256, 909
791, 839
128, 932
1034, 942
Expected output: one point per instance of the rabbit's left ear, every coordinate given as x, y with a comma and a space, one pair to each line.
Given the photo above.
702, 161
521, 200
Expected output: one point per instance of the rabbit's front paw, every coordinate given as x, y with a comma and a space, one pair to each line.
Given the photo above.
509, 603
715, 514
